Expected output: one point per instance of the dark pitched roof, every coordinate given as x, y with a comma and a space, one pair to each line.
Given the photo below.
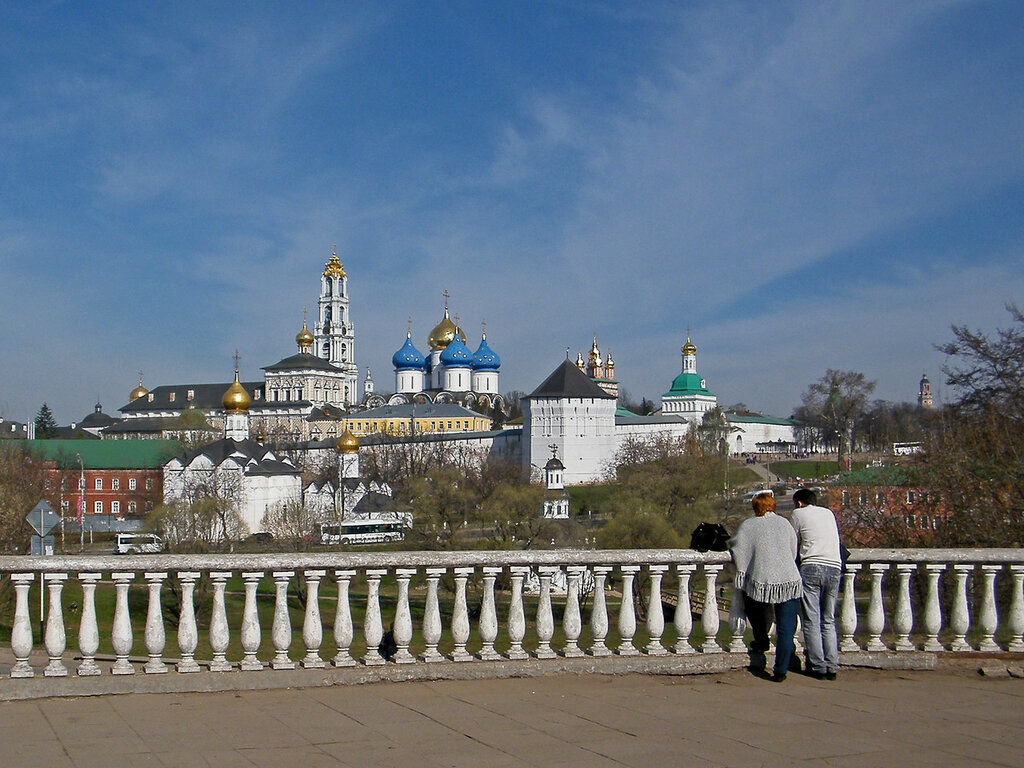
569, 381
302, 361
205, 397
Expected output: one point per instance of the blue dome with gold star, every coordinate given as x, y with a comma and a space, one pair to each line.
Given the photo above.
408, 358
485, 358
456, 354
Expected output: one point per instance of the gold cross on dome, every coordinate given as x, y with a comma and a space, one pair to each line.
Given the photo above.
554, 450
237, 358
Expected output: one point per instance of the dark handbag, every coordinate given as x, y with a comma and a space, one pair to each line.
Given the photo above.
709, 537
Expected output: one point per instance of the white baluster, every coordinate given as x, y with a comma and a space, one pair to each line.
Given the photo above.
1015, 618
987, 616
121, 636
343, 629
489, 616
21, 631
709, 619
798, 645
403, 617
960, 617
655, 613
545, 619
251, 633
432, 617
932, 608
281, 630
312, 628
599, 613
683, 619
516, 614
572, 621
155, 635
188, 634
876, 610
460, 616
903, 617
627, 612
848, 610
373, 628
55, 640
88, 631
220, 635
737, 623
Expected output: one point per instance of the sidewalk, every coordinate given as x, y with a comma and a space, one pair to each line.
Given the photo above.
866, 718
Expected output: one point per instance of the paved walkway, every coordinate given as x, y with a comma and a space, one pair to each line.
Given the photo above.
866, 718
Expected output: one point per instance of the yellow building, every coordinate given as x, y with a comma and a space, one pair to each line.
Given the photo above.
416, 419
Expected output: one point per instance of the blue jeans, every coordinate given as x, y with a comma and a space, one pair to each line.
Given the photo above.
760, 616
818, 611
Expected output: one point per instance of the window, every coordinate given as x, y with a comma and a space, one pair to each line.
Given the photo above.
846, 498
115, 507
149, 483
98, 483
97, 507
880, 498
65, 506
131, 507
115, 484
863, 499
132, 483
911, 497
170, 397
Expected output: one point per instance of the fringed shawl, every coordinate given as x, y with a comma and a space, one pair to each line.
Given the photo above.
764, 551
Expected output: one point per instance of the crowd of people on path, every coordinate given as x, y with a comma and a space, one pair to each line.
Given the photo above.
785, 568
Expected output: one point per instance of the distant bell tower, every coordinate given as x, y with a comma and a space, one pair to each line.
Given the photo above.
334, 334
924, 393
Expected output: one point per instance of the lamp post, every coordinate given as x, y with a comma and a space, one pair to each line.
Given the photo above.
81, 501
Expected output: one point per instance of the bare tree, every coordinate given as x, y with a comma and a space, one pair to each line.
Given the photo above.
832, 405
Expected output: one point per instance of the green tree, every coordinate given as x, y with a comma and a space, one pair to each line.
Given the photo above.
46, 425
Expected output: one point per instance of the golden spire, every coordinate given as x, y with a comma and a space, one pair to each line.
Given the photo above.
334, 268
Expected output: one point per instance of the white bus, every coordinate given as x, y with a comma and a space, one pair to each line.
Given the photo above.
373, 531
135, 543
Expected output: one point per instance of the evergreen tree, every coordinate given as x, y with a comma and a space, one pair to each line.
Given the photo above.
46, 425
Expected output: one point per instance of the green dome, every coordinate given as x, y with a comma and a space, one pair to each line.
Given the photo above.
687, 384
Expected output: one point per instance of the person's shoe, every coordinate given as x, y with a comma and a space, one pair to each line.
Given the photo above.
778, 677
830, 675
815, 674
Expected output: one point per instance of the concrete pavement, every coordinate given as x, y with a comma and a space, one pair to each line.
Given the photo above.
866, 718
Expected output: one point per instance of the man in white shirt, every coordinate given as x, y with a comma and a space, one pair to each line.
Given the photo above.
820, 568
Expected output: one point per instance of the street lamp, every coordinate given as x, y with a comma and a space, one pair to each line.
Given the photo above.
81, 504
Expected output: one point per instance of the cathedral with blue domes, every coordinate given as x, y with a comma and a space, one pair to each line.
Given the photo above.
450, 372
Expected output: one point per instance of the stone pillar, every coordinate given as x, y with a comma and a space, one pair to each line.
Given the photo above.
220, 634
312, 627
21, 631
709, 620
988, 618
121, 635
683, 620
343, 630
876, 609
460, 616
88, 630
55, 640
188, 634
1015, 616
432, 617
516, 614
545, 619
599, 613
403, 617
572, 620
155, 636
251, 632
932, 609
627, 614
737, 623
848, 611
960, 617
373, 628
489, 616
281, 629
903, 617
655, 613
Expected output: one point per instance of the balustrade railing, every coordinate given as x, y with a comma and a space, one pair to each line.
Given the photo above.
892, 601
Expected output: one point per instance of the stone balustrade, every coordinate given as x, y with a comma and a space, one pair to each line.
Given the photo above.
892, 602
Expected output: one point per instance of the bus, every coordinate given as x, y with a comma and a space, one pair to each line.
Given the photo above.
134, 543
372, 531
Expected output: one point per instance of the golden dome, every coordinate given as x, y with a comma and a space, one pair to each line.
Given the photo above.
334, 268
139, 391
236, 399
347, 443
444, 333
304, 338
689, 348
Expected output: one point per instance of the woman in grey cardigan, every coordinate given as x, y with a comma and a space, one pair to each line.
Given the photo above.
764, 551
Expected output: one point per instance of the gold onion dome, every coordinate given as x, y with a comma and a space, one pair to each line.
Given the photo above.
689, 348
334, 268
236, 399
139, 391
347, 443
444, 333
304, 338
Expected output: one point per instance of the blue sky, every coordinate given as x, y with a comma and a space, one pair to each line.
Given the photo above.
804, 185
